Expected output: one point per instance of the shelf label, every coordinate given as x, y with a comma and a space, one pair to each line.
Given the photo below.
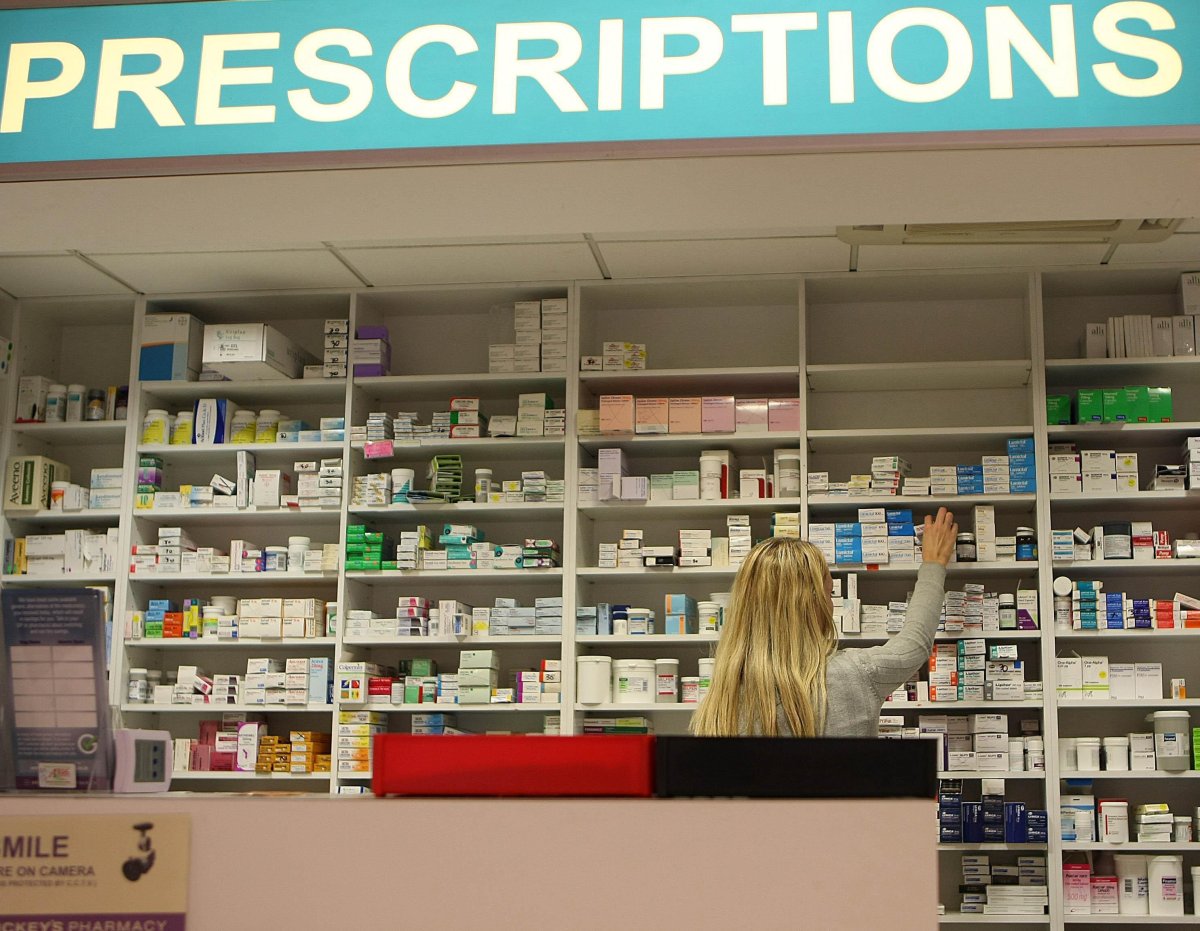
426, 80
380, 449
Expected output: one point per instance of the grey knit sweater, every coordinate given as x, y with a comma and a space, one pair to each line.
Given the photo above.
859, 680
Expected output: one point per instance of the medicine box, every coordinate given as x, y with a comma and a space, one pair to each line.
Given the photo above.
172, 348
253, 352
28, 480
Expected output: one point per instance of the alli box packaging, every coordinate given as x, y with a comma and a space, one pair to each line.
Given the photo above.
253, 352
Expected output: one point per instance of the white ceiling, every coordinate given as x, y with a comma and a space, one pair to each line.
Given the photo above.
349, 266
720, 215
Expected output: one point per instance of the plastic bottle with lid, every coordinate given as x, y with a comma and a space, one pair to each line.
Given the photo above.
155, 426
56, 404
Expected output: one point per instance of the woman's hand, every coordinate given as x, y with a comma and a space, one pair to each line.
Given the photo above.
940, 537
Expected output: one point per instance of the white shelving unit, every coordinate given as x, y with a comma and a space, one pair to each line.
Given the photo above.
937, 366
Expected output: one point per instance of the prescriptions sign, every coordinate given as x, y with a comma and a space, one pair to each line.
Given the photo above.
211, 79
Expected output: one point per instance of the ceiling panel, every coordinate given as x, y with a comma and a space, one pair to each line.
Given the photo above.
1182, 247
781, 233
550, 261
724, 257
53, 276
167, 272
872, 258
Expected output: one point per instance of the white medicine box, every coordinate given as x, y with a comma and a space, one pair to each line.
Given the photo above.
171, 348
253, 352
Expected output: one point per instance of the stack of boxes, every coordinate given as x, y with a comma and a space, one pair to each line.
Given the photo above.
336, 363
539, 686
354, 740
617, 356
991, 820
887, 472
319, 484
785, 525
462, 422
1091, 471
1003, 890
540, 329
1094, 678
554, 335
695, 548
74, 552
882, 536
1191, 462
1013, 473
1136, 404
537, 553
479, 677
435, 724
682, 615
105, 490
1154, 823
531, 414
741, 539
365, 549
1121, 540
370, 352
413, 543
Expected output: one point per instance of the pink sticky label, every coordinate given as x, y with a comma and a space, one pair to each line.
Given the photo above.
380, 449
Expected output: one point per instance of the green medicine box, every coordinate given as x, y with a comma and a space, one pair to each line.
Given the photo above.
1058, 409
1137, 404
1089, 405
1161, 405
424, 667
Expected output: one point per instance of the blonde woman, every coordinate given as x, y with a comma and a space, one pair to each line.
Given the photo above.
779, 671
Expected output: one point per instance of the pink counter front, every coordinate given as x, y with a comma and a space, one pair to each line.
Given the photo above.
603, 864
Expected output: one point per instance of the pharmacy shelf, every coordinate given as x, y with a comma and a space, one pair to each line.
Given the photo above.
494, 447
742, 381
1139, 371
1018, 504
1003, 774
1166, 846
150, 708
919, 439
918, 376
100, 432
1129, 566
235, 578
985, 847
944, 637
649, 575
1140, 500
1141, 634
623, 640
1131, 919
91, 517
1162, 704
1149, 434
243, 393
426, 643
683, 444
212, 643
1149, 774
621, 711
247, 777
56, 581
416, 512
673, 509
224, 452
893, 707
458, 575
265, 517
470, 384
1023, 568
438, 708
968, 918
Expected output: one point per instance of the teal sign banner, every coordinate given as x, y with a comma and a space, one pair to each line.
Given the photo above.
301, 76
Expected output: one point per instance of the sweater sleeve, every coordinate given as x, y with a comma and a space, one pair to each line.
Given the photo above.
891, 665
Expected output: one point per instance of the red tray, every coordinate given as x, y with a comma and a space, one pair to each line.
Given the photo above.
610, 765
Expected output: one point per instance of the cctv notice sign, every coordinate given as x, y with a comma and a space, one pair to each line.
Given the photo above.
304, 76
94, 872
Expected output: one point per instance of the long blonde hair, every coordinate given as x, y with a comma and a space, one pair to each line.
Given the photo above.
776, 642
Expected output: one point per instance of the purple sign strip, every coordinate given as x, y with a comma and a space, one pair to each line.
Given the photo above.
143, 921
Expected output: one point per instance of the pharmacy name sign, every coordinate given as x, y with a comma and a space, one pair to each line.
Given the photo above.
304, 76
